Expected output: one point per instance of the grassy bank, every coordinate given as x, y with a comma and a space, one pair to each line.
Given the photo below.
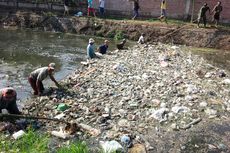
36, 142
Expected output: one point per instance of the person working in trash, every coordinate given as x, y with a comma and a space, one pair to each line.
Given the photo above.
90, 49
103, 48
36, 77
8, 98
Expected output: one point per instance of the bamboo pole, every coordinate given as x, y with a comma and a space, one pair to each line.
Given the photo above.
33, 117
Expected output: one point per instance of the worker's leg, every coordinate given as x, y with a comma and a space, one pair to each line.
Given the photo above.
94, 12
33, 85
198, 21
41, 87
135, 14
205, 21
88, 12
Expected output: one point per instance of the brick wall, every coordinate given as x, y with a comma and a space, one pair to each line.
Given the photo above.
175, 8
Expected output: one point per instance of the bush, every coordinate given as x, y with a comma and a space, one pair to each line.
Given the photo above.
119, 35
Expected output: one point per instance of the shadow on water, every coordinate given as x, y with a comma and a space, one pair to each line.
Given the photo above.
22, 51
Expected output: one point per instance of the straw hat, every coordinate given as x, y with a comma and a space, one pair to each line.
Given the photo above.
91, 40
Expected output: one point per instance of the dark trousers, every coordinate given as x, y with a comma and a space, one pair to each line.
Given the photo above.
204, 20
34, 86
102, 11
135, 12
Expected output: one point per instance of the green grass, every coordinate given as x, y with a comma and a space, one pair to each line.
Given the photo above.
169, 21
202, 50
77, 147
31, 142
36, 142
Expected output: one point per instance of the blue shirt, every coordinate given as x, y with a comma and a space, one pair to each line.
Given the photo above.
90, 3
90, 51
103, 49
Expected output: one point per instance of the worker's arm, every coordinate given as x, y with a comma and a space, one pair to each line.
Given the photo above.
53, 79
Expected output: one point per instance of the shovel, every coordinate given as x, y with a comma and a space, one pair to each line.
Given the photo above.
33, 117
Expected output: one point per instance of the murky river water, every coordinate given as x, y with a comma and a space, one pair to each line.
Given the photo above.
23, 51
219, 58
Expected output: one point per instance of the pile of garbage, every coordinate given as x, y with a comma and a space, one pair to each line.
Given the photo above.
131, 91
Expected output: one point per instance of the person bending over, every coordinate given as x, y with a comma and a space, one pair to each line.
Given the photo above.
8, 97
36, 77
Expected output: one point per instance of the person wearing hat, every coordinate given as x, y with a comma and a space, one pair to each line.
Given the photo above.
121, 44
103, 48
141, 39
90, 49
8, 98
37, 76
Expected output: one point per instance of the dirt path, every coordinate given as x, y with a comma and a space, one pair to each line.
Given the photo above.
176, 33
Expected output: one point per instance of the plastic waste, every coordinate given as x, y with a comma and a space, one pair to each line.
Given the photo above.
111, 146
59, 116
62, 107
78, 14
126, 141
18, 134
61, 134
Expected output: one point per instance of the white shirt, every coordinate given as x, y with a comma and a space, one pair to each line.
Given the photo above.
141, 40
102, 3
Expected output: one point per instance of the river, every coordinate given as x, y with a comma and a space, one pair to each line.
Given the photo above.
22, 51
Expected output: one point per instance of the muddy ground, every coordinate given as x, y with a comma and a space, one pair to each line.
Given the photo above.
176, 33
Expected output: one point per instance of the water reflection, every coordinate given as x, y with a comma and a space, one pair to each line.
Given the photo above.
23, 51
219, 58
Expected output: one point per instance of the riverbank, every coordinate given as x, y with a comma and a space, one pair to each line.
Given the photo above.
164, 98
174, 32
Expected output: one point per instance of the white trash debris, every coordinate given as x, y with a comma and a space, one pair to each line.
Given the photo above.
180, 109
160, 114
18, 134
111, 146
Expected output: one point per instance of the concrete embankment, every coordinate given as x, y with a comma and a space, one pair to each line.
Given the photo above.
185, 34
